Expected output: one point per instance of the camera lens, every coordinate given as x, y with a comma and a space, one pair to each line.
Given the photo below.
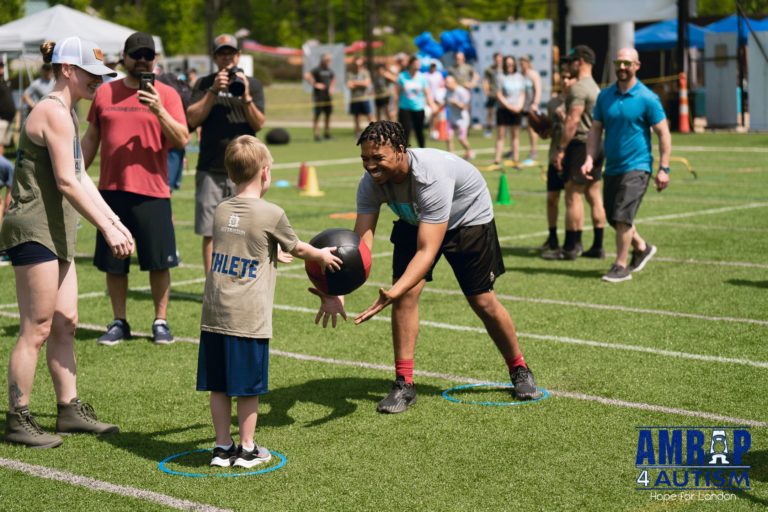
236, 84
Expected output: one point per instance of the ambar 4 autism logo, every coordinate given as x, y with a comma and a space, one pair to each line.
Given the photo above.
692, 458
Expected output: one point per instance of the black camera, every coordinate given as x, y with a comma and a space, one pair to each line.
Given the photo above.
236, 84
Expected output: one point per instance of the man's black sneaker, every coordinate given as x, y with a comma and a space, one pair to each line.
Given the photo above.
117, 331
594, 252
248, 459
161, 333
617, 274
640, 258
400, 397
572, 254
223, 457
552, 254
524, 383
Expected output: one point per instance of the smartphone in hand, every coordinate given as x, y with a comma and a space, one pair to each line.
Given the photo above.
144, 79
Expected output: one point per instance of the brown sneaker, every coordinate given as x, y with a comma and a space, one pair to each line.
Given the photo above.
22, 428
76, 417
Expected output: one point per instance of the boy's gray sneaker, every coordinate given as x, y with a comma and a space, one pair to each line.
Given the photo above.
79, 417
117, 331
223, 457
617, 274
640, 258
161, 333
552, 254
248, 459
524, 383
22, 428
400, 397
574, 253
594, 252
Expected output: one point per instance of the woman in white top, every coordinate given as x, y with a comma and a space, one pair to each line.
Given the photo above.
510, 94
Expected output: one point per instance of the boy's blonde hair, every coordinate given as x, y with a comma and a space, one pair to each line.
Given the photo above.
245, 157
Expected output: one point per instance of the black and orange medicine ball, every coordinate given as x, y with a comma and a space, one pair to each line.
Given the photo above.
355, 266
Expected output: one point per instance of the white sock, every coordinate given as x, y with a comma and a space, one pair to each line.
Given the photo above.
249, 448
160, 321
225, 447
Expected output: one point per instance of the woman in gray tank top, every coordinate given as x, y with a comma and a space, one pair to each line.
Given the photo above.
38, 233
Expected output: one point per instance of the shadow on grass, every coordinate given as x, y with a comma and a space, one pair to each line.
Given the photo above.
560, 271
337, 394
523, 252
759, 471
155, 446
746, 282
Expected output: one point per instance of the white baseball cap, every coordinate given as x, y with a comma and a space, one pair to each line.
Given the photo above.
83, 54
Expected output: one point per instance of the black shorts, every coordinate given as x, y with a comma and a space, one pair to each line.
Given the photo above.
30, 253
575, 155
622, 195
323, 109
505, 117
360, 107
382, 101
555, 180
490, 102
473, 252
149, 221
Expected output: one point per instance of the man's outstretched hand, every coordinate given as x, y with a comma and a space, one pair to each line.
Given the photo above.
383, 301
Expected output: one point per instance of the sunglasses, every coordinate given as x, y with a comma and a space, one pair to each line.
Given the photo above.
626, 63
142, 54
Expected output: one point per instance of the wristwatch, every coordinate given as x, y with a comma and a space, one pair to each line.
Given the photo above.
665, 169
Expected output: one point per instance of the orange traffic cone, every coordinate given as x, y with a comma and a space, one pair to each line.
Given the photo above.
312, 188
685, 126
442, 129
302, 184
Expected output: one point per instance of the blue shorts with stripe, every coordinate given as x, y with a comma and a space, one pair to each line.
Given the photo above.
233, 365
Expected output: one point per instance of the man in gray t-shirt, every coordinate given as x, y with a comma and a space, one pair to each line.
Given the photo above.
443, 208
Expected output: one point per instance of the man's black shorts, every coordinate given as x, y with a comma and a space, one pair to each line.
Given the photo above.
555, 180
575, 155
473, 252
323, 109
149, 221
360, 107
622, 195
505, 117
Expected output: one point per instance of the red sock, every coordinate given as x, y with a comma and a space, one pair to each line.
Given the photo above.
404, 369
515, 361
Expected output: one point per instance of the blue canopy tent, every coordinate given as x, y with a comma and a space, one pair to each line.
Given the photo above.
663, 36
730, 24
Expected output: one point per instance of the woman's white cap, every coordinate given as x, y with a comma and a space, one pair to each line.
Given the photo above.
83, 54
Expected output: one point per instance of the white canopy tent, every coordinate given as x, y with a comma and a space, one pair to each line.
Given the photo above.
24, 36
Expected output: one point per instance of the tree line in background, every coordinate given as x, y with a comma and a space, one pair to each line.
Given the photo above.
182, 24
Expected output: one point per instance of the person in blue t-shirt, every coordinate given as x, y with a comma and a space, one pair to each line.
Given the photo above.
413, 95
629, 111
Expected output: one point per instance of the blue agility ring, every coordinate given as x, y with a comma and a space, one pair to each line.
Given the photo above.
447, 394
161, 466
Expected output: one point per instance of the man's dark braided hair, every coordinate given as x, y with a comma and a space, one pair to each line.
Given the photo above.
381, 132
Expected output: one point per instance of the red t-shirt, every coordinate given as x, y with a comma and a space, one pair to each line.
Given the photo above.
134, 151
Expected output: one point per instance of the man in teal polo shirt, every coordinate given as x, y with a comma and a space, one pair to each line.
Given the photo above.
628, 110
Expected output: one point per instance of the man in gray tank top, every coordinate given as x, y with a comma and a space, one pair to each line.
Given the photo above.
443, 208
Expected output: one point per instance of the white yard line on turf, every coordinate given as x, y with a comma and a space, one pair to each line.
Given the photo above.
462, 379
100, 485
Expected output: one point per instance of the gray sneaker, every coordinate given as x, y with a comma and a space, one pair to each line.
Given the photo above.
524, 383
572, 254
161, 333
117, 331
617, 274
640, 258
79, 417
22, 428
400, 397
552, 254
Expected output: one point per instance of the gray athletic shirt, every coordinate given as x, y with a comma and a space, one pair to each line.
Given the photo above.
441, 187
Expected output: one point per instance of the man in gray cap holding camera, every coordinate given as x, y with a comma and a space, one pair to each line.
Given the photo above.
226, 104
136, 121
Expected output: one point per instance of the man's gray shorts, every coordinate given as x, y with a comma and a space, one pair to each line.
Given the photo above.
210, 189
622, 195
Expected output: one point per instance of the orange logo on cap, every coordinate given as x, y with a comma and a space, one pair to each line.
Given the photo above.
98, 54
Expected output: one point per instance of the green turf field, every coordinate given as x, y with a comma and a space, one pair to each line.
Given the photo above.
682, 344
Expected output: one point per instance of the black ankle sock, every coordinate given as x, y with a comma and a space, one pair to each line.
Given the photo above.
570, 240
552, 241
578, 237
598, 242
